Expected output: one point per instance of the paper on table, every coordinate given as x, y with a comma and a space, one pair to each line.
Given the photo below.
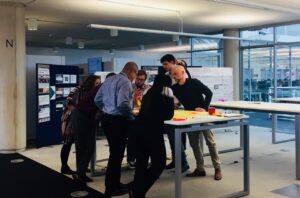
232, 115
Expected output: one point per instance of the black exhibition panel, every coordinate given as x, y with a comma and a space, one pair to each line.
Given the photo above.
54, 83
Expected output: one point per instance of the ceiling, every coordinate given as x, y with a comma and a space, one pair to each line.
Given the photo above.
58, 19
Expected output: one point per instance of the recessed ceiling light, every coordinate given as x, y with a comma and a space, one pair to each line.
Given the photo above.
69, 40
80, 44
32, 24
113, 32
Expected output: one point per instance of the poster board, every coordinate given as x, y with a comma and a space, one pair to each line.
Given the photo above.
54, 83
219, 80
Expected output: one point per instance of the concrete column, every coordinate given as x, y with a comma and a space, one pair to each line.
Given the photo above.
13, 77
231, 59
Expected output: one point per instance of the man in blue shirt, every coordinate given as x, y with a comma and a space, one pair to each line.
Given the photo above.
114, 98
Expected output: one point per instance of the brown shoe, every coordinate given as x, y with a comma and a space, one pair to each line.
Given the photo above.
218, 174
197, 173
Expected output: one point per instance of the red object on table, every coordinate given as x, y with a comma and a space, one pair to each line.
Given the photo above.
211, 110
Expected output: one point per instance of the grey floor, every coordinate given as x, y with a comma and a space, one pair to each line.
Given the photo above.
272, 167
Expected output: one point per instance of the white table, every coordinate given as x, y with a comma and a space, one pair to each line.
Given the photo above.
274, 108
295, 100
204, 123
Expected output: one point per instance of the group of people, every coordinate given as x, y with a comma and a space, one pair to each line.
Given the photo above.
133, 115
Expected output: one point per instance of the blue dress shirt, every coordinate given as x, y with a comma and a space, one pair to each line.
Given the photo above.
115, 96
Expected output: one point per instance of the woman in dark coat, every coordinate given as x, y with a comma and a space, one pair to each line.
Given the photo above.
157, 106
84, 124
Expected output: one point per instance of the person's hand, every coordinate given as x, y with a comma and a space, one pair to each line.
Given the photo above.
176, 106
135, 111
200, 109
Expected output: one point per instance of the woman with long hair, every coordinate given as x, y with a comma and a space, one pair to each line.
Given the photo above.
83, 124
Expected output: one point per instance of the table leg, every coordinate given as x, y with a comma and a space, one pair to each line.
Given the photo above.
297, 144
274, 127
246, 158
178, 191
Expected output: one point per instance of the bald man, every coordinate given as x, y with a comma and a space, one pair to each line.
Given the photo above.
190, 93
114, 98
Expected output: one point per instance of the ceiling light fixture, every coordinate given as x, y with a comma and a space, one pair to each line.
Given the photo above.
111, 51
142, 30
32, 24
80, 44
55, 49
113, 32
179, 42
142, 47
255, 5
175, 38
69, 40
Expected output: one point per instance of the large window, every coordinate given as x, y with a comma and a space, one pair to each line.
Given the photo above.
258, 63
257, 37
288, 34
271, 69
257, 73
207, 52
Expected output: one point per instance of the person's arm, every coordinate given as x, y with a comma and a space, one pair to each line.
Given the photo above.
124, 100
176, 103
168, 112
204, 90
168, 103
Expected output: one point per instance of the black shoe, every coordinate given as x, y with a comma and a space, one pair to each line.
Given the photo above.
123, 186
116, 192
131, 164
76, 179
66, 170
84, 178
170, 166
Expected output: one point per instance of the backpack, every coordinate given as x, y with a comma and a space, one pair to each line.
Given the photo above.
66, 126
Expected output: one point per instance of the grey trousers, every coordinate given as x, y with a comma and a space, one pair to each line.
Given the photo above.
194, 139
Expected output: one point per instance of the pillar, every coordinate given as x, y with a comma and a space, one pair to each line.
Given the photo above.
231, 59
13, 77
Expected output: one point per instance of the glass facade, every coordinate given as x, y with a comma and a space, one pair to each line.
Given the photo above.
259, 56
257, 73
264, 36
288, 34
207, 52
271, 69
